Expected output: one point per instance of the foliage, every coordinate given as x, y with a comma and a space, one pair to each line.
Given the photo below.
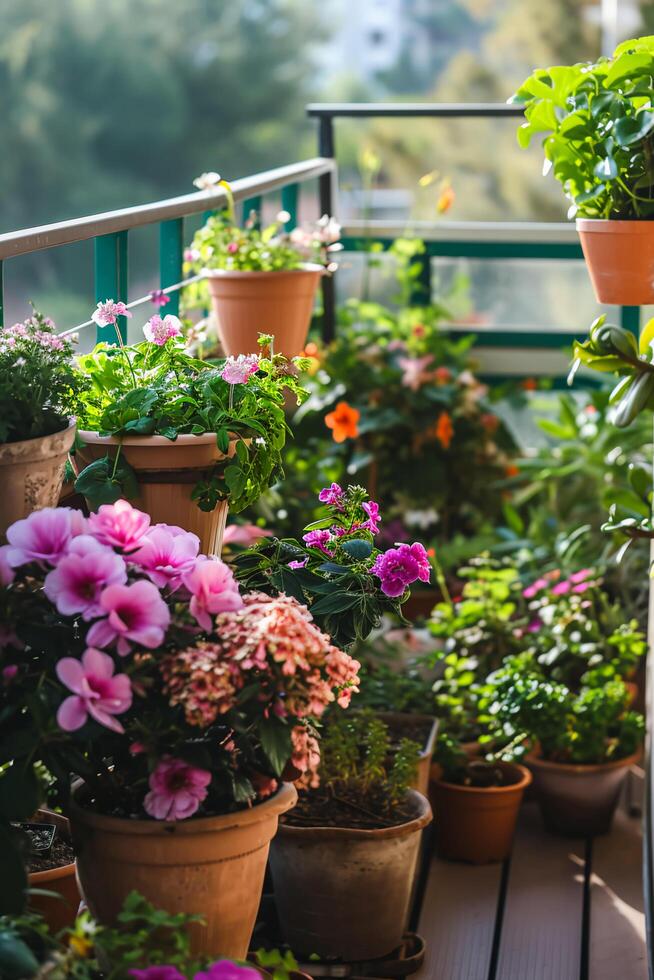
388, 680
458, 768
39, 390
598, 122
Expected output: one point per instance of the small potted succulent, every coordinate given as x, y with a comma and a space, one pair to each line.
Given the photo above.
263, 279
187, 437
39, 399
582, 743
133, 661
343, 866
597, 123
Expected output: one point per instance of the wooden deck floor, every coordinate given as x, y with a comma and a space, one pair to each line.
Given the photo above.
559, 909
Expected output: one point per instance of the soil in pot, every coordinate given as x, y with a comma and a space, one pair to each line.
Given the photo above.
53, 869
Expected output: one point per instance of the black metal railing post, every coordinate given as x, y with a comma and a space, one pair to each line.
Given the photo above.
326, 190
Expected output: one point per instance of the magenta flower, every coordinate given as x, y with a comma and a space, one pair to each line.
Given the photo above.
226, 970
298, 564
6, 571
159, 331
581, 575
9, 672
372, 510
245, 534
238, 370
165, 555
399, 567
176, 790
159, 298
97, 691
108, 312
213, 590
44, 536
191, 254
76, 584
119, 525
318, 539
157, 973
561, 588
332, 496
535, 588
135, 614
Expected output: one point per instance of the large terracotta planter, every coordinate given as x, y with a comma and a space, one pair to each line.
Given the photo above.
213, 867
167, 472
31, 474
620, 260
399, 718
59, 909
249, 303
343, 892
578, 800
476, 824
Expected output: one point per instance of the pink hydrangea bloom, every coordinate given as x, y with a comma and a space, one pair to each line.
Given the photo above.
374, 517
119, 525
108, 312
97, 691
160, 330
238, 370
44, 536
76, 584
157, 973
332, 496
6, 571
135, 614
176, 790
213, 590
318, 539
399, 567
165, 555
225, 970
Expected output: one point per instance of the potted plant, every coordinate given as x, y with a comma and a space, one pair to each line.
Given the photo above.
343, 868
39, 397
53, 890
135, 663
262, 279
476, 803
187, 437
598, 122
582, 742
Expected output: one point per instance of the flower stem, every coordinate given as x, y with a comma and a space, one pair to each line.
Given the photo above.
442, 582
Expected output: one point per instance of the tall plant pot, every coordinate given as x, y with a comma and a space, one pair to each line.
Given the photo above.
249, 303
60, 908
578, 801
213, 867
476, 824
620, 259
344, 892
167, 472
31, 474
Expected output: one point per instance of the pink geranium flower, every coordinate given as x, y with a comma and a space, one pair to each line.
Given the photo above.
119, 525
160, 330
226, 970
76, 584
332, 496
176, 790
318, 539
108, 312
97, 691
238, 370
399, 567
165, 555
44, 536
135, 614
157, 973
372, 510
213, 590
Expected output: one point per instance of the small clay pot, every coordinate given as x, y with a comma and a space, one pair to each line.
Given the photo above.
59, 910
620, 260
421, 779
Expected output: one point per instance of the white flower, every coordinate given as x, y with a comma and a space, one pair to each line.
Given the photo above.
283, 217
208, 181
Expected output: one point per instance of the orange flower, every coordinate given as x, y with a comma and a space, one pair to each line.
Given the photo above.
445, 200
511, 470
442, 375
311, 350
444, 430
529, 384
343, 422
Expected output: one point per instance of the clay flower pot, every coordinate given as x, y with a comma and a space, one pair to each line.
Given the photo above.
212, 866
344, 892
578, 800
620, 260
31, 474
397, 720
167, 473
249, 303
58, 910
475, 823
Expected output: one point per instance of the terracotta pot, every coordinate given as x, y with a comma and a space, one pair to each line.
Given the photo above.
249, 303
31, 474
420, 603
476, 824
213, 867
58, 912
167, 473
471, 749
578, 800
421, 779
620, 260
343, 892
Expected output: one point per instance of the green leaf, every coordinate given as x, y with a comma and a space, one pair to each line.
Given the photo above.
632, 129
606, 169
334, 603
276, 743
358, 548
222, 440
101, 485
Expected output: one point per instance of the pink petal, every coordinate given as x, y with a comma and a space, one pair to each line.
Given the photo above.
72, 714
103, 718
71, 673
101, 634
98, 663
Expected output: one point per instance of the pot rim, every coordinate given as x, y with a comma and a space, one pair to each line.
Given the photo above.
185, 439
581, 769
260, 273
525, 780
427, 750
615, 225
412, 826
72, 424
50, 874
282, 801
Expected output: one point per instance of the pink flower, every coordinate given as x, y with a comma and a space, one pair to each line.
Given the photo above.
535, 588
135, 613
119, 525
176, 790
414, 370
9, 672
535, 625
108, 312
76, 584
6, 571
238, 370
298, 564
232, 247
245, 534
213, 590
159, 298
398, 567
157, 973
225, 970
581, 587
97, 691
44, 536
319, 540
165, 555
561, 588
191, 254
581, 575
159, 331
332, 496
372, 510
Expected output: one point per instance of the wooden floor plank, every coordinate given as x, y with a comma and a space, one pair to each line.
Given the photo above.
541, 934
